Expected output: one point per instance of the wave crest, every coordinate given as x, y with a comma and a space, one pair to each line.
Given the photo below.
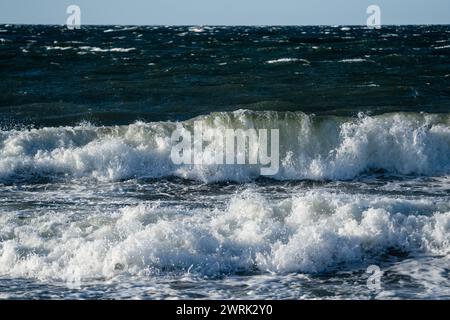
311, 147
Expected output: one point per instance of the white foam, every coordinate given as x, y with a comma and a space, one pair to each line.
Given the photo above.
58, 48
427, 274
353, 60
197, 29
310, 148
286, 60
312, 232
97, 49
441, 47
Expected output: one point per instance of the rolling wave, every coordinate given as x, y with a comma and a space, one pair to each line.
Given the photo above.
311, 147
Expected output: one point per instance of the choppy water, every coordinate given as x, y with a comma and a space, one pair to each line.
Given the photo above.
91, 205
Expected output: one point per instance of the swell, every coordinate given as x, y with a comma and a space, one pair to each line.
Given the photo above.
311, 147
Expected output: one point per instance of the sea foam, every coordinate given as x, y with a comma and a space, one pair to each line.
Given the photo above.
312, 232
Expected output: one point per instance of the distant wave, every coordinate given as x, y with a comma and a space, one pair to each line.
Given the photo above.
353, 60
287, 60
442, 47
91, 49
311, 147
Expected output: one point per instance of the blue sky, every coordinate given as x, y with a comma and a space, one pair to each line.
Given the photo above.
225, 12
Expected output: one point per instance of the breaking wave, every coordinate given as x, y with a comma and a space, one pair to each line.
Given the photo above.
309, 233
311, 147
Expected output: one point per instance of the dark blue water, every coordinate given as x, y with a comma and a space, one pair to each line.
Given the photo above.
116, 75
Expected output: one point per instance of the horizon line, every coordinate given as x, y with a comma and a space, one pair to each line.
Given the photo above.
225, 25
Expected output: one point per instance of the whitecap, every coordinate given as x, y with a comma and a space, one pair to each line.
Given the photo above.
58, 48
355, 60
287, 60
97, 49
442, 47
197, 29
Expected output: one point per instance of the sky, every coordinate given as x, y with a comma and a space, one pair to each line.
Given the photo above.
225, 12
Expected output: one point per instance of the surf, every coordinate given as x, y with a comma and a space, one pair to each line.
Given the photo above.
311, 148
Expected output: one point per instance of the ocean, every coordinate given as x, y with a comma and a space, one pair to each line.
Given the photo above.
93, 207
